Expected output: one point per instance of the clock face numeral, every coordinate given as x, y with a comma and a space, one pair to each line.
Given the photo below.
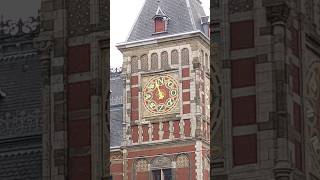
160, 81
152, 105
170, 84
151, 86
147, 96
160, 94
174, 92
160, 107
170, 102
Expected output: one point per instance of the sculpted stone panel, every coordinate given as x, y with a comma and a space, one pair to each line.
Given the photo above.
185, 56
78, 17
182, 161
20, 123
164, 60
142, 165
159, 162
134, 64
236, 6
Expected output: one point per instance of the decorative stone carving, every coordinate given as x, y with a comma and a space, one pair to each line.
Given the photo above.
161, 131
236, 6
278, 13
142, 165
115, 156
171, 130
185, 56
162, 161
181, 127
22, 123
78, 17
20, 27
182, 161
134, 64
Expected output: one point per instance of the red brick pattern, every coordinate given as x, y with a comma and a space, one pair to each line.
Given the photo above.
185, 72
166, 130
243, 110
186, 96
80, 168
244, 149
242, 35
159, 25
298, 156
135, 135
296, 79
155, 133
79, 59
295, 41
297, 116
79, 96
186, 84
134, 92
79, 133
145, 134
134, 80
187, 127
182, 173
186, 108
142, 176
176, 129
243, 73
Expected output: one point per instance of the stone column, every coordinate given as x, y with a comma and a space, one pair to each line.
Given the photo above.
277, 15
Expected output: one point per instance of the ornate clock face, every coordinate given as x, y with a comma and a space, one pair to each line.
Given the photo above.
161, 94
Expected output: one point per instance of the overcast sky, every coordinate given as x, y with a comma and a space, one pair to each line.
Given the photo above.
123, 15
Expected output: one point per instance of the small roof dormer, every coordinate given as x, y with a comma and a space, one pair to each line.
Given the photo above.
160, 21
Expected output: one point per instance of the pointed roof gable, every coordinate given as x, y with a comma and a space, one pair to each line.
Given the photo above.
185, 16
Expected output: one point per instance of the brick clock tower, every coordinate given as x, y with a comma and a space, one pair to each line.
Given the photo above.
166, 95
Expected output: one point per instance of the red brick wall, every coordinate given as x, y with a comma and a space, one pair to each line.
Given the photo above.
243, 110
145, 133
79, 133
155, 132
186, 108
135, 135
296, 79
176, 129
166, 130
79, 59
79, 96
243, 73
182, 173
187, 127
242, 35
159, 25
297, 116
80, 168
142, 175
244, 149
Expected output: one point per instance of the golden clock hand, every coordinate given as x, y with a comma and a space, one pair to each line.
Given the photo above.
161, 96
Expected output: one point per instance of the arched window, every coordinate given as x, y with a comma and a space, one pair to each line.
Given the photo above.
161, 168
134, 64
144, 62
164, 60
154, 61
185, 56
174, 57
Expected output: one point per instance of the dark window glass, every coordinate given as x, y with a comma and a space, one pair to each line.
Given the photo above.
167, 174
156, 174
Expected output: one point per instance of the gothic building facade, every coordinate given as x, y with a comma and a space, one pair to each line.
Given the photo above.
52, 92
268, 62
165, 88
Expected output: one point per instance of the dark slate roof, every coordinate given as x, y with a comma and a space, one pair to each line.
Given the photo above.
116, 110
185, 16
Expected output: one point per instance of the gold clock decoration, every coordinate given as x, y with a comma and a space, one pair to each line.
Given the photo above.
160, 94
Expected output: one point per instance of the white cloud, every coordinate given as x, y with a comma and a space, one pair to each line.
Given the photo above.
123, 15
